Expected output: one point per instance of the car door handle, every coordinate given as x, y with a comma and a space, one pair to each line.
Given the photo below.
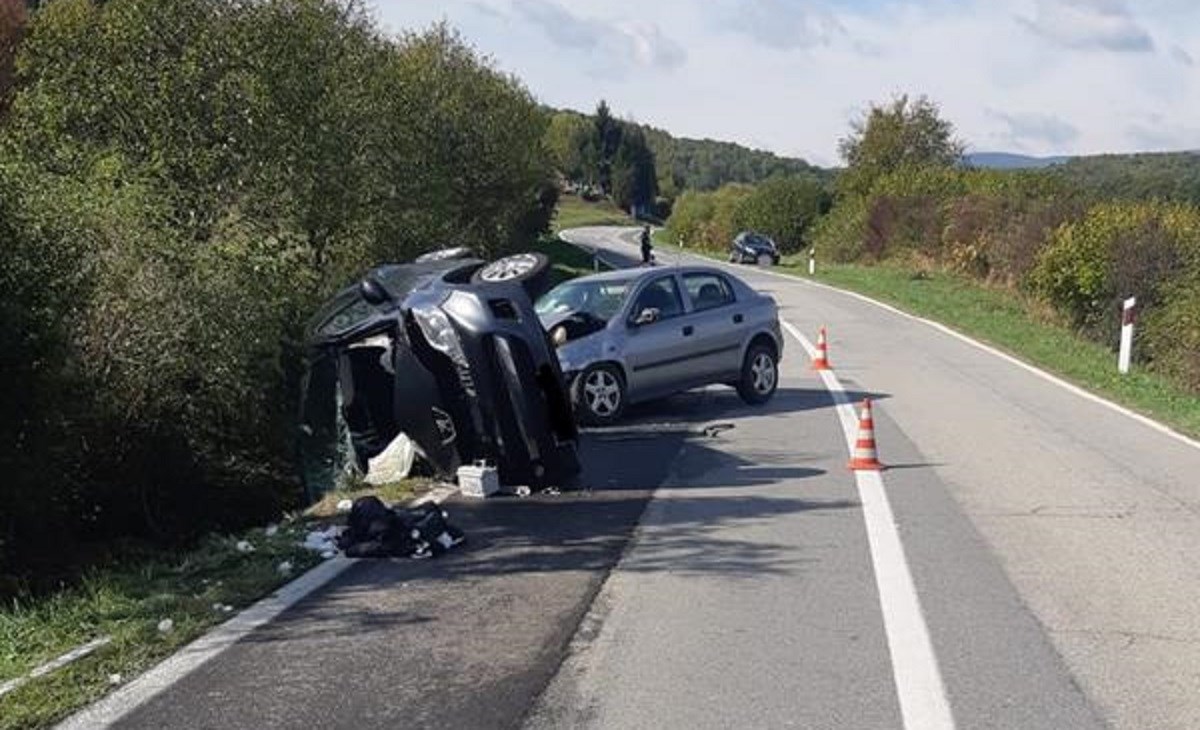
737, 319
688, 330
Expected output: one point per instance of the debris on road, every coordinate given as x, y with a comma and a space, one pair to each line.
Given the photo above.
478, 480
378, 531
323, 540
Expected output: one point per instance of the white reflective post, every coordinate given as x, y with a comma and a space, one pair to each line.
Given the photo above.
812, 260
1126, 353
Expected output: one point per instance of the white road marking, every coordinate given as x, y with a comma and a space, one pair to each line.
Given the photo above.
923, 701
109, 710
55, 664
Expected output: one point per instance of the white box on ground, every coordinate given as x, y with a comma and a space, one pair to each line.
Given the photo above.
478, 480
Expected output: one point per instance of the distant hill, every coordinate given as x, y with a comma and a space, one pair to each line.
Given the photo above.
1011, 161
707, 164
1144, 176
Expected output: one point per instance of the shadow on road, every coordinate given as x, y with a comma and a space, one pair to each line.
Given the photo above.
469, 639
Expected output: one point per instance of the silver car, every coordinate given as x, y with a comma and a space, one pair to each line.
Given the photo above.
636, 334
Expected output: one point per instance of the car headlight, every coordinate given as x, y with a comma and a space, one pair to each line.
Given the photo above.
436, 327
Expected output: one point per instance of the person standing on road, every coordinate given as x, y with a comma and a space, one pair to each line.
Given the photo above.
647, 247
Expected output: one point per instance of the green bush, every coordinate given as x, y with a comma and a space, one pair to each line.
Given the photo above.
784, 208
182, 182
1115, 251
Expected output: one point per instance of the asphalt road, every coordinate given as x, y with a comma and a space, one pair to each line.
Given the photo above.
1054, 544
715, 581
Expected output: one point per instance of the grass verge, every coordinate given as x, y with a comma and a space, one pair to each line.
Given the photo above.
574, 212
128, 600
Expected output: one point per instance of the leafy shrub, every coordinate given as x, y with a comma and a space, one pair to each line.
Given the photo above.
182, 182
1116, 250
783, 208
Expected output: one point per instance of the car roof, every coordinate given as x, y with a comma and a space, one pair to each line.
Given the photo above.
648, 271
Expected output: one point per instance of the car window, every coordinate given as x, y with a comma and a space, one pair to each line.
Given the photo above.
599, 298
707, 291
661, 294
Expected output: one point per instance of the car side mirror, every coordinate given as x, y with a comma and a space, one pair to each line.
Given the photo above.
374, 292
649, 315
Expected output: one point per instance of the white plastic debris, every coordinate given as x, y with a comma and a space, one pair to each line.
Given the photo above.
244, 546
523, 491
393, 463
323, 541
271, 530
344, 505
478, 480
166, 626
114, 679
284, 568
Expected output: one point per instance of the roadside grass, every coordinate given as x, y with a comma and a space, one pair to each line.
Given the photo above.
391, 493
1011, 322
574, 212
127, 601
567, 261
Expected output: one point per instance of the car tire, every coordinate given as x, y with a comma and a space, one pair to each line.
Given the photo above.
764, 260
760, 374
530, 270
598, 395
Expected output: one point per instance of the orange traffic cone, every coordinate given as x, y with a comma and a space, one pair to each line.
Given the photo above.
821, 361
865, 457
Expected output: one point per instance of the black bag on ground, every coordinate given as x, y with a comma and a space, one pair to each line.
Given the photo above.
375, 531
427, 525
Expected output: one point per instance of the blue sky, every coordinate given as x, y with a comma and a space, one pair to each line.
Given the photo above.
1031, 76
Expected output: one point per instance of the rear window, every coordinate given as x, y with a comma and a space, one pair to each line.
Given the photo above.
707, 291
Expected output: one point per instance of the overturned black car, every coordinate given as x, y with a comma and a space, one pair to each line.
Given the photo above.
449, 351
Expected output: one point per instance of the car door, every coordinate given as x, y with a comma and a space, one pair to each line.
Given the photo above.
658, 353
717, 322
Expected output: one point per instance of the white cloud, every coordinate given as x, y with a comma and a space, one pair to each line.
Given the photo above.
698, 69
782, 24
1089, 24
615, 44
1035, 130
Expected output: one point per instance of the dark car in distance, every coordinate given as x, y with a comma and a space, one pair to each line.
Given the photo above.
753, 248
449, 351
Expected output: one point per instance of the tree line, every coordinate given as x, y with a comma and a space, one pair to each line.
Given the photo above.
182, 183
648, 169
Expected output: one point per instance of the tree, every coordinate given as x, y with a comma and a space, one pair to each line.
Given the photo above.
568, 138
606, 140
634, 178
903, 134
13, 16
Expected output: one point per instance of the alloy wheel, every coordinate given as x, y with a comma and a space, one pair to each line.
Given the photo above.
602, 393
763, 373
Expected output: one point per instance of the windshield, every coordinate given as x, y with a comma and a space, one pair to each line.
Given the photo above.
601, 299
